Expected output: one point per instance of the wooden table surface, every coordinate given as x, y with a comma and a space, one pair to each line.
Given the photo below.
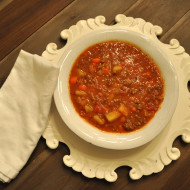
31, 25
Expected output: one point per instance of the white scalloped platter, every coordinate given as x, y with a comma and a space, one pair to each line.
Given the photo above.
93, 161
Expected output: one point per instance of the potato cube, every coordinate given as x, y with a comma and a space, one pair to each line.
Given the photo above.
112, 116
81, 73
123, 110
88, 108
111, 96
81, 101
117, 68
80, 93
98, 120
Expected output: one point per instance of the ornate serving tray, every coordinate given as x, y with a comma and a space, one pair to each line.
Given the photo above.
93, 161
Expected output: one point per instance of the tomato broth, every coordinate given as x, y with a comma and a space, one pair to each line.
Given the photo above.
115, 86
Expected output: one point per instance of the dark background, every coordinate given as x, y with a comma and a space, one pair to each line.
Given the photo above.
31, 25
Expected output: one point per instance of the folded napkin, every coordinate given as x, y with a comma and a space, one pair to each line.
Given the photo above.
25, 100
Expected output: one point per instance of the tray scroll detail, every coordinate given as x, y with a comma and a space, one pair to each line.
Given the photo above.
101, 163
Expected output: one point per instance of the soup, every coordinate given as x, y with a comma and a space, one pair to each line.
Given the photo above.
115, 86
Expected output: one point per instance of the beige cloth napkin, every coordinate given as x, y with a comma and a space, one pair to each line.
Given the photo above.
25, 100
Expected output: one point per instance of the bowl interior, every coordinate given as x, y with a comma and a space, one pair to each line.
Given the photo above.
111, 140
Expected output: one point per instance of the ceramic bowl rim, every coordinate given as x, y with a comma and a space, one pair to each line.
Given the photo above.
93, 135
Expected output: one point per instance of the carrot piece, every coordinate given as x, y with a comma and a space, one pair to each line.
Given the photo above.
122, 119
94, 64
111, 96
120, 127
82, 87
105, 70
122, 63
73, 80
156, 102
92, 69
148, 73
96, 60
134, 109
106, 109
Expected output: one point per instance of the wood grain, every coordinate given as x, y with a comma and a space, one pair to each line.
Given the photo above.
45, 169
21, 18
180, 31
160, 12
76, 11
4, 3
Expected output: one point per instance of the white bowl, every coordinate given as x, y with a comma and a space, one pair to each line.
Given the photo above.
113, 140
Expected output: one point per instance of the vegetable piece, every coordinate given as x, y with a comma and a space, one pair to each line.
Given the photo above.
134, 109
80, 93
113, 116
81, 101
123, 110
91, 68
100, 72
141, 69
117, 68
82, 87
99, 94
96, 60
106, 109
88, 108
81, 73
156, 102
120, 127
105, 70
122, 119
146, 113
94, 64
73, 80
148, 73
98, 120
111, 96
